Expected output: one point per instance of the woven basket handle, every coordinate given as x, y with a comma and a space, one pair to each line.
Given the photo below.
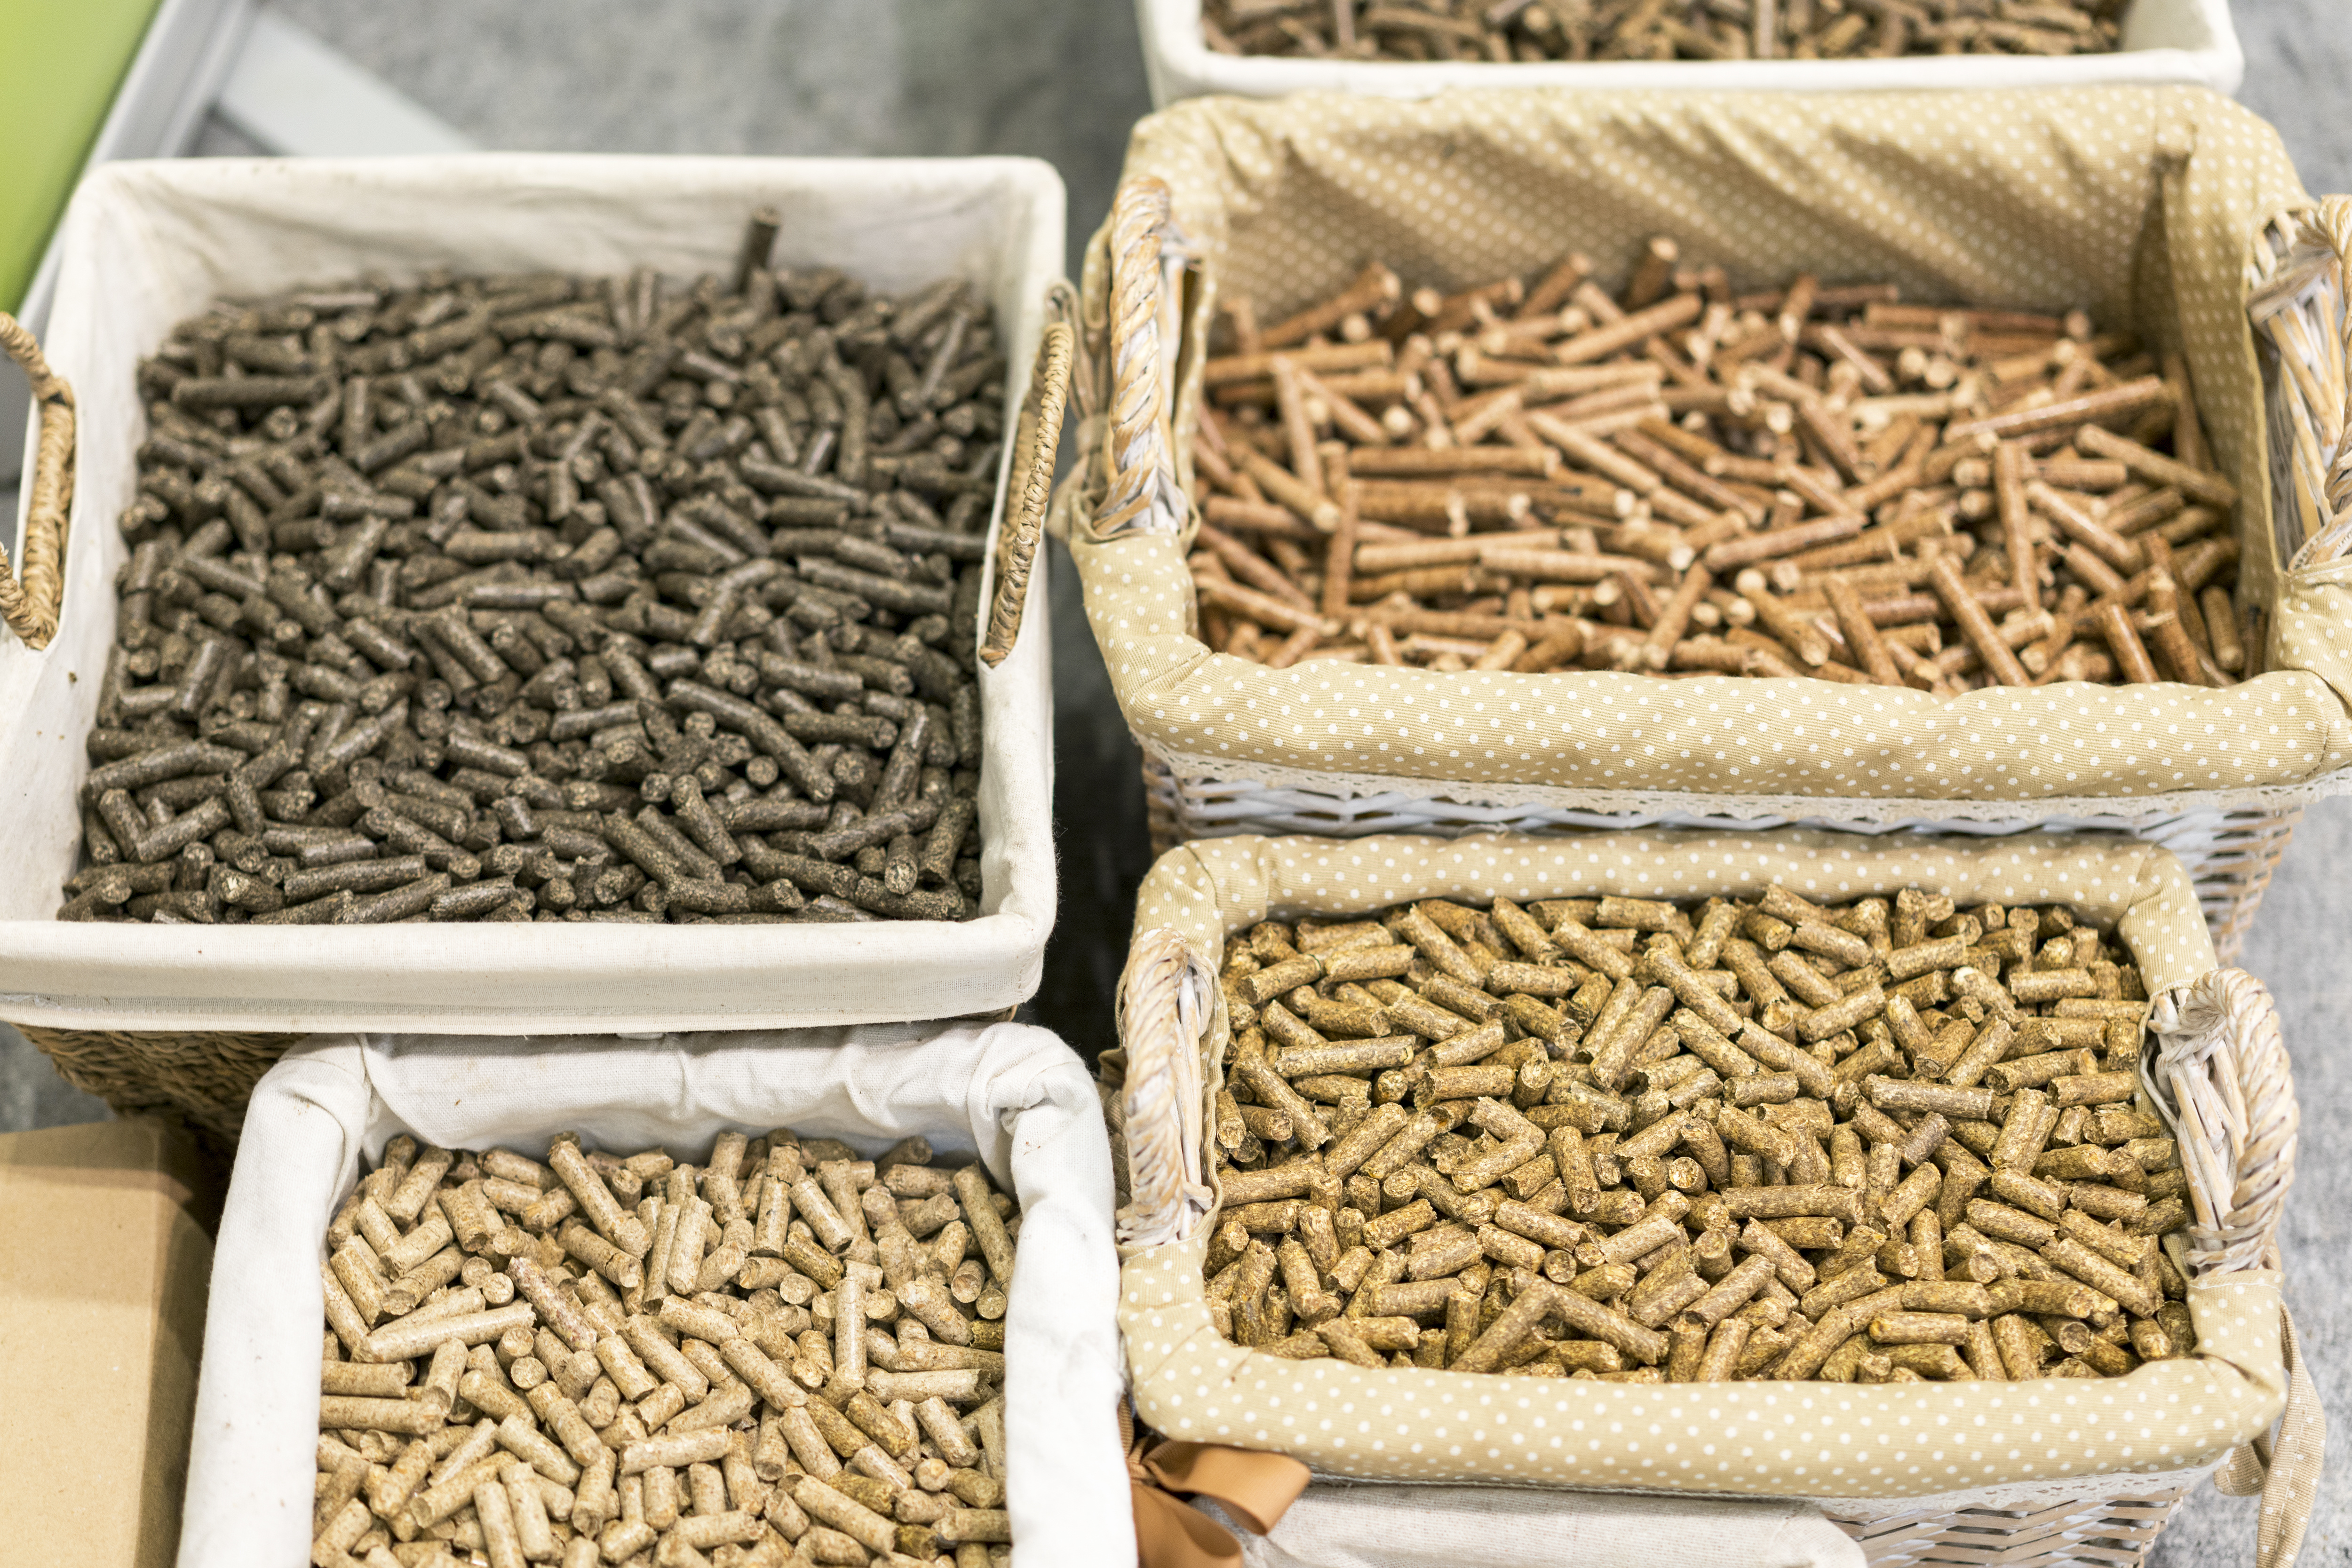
1142, 494
1164, 1002
2301, 275
2333, 222
2217, 1072
1036, 438
31, 603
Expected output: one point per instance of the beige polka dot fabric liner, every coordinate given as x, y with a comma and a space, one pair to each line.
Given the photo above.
1826, 1441
2140, 204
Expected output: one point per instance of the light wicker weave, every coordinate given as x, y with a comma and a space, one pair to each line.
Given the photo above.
2230, 842
2113, 1532
30, 602
2230, 852
2219, 1072
1036, 439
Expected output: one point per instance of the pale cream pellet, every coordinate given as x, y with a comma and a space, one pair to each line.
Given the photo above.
493, 1511
519, 1435
687, 1243
660, 1483
534, 1538
402, 1341
832, 1232
839, 1179
595, 1502
664, 1359
381, 1381
344, 1413
972, 1189
655, 1381
849, 1330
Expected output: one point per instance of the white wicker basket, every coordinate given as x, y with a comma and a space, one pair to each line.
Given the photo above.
2187, 41
146, 244
1149, 312
2214, 1039
1014, 1094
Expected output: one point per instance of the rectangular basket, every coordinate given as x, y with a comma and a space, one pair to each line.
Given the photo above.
1012, 1094
2100, 1495
2177, 214
149, 243
2182, 41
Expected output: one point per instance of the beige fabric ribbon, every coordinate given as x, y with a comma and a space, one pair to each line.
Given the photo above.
2285, 1469
1253, 1487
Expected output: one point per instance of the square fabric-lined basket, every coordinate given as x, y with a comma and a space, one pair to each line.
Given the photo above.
2187, 41
1906, 1467
147, 244
1011, 1094
2166, 212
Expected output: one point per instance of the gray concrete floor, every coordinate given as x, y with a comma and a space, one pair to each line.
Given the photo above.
1062, 80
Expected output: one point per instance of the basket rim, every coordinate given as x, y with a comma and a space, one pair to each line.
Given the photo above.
516, 981
1180, 696
1757, 811
2158, 875
1172, 42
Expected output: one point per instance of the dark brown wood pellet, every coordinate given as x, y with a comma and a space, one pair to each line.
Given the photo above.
535, 597
1532, 31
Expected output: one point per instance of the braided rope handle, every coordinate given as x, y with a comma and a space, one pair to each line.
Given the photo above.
30, 603
2217, 1072
1164, 1000
1036, 438
1141, 491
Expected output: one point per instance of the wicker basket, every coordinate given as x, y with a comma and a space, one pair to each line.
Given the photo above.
2164, 41
1147, 310
2215, 1042
226, 1011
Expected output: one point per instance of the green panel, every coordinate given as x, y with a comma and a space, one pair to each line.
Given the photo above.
60, 62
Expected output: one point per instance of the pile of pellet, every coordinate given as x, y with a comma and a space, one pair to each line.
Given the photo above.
788, 1353
528, 596
1503, 31
1677, 478
1615, 1138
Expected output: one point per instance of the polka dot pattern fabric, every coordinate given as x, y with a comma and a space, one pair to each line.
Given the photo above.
1819, 1441
1808, 1439
2140, 205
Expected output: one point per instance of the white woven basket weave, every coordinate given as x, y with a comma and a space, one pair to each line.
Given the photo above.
2230, 852
2164, 41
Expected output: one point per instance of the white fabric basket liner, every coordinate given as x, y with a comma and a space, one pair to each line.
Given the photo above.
1014, 1093
1335, 1524
146, 245
2180, 41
